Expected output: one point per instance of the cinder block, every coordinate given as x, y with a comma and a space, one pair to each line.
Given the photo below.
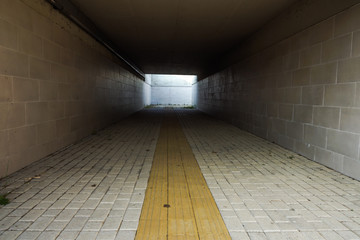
323, 74
76, 123
30, 44
347, 21
17, 13
272, 110
9, 35
286, 111
22, 158
301, 77
40, 69
300, 41
351, 167
278, 126
15, 115
310, 56
303, 114
295, 130
334, 98
3, 166
313, 95
350, 120
327, 117
329, 159
60, 73
4, 108
6, 90
4, 144
46, 132
286, 142
337, 48
67, 58
62, 127
321, 32
42, 26
10, 62
349, 70
356, 44
37, 112
48, 90
73, 108
357, 97
292, 95
291, 61
305, 149
283, 79
52, 52
64, 91
315, 135
25, 89
22, 138
56, 110
278, 95
61, 36
344, 143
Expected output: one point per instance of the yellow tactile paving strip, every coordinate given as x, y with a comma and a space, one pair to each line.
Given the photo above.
178, 203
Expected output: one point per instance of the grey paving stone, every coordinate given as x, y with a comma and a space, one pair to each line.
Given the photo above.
96, 187
48, 235
29, 235
10, 235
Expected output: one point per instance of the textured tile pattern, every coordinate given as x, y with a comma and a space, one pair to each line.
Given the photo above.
92, 189
95, 189
178, 204
264, 191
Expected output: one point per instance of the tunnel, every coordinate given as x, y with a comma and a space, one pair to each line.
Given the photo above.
179, 119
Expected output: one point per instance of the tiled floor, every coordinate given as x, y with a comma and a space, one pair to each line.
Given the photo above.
95, 189
92, 189
266, 192
178, 203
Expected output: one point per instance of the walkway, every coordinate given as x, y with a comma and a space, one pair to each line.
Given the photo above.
95, 189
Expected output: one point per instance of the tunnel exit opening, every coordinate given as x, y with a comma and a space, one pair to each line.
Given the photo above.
173, 90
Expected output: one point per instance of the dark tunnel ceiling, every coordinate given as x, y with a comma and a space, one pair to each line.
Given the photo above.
178, 36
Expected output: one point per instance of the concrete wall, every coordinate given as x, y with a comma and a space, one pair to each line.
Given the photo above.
302, 93
171, 89
57, 85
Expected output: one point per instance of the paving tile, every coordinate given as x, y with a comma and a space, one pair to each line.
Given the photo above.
125, 235
68, 235
40, 224
10, 235
57, 225
48, 235
87, 236
106, 235
95, 188
29, 235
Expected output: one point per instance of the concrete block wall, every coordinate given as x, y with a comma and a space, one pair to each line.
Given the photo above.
57, 84
171, 89
171, 95
302, 93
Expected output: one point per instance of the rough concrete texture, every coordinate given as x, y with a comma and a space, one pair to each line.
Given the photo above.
57, 84
302, 93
